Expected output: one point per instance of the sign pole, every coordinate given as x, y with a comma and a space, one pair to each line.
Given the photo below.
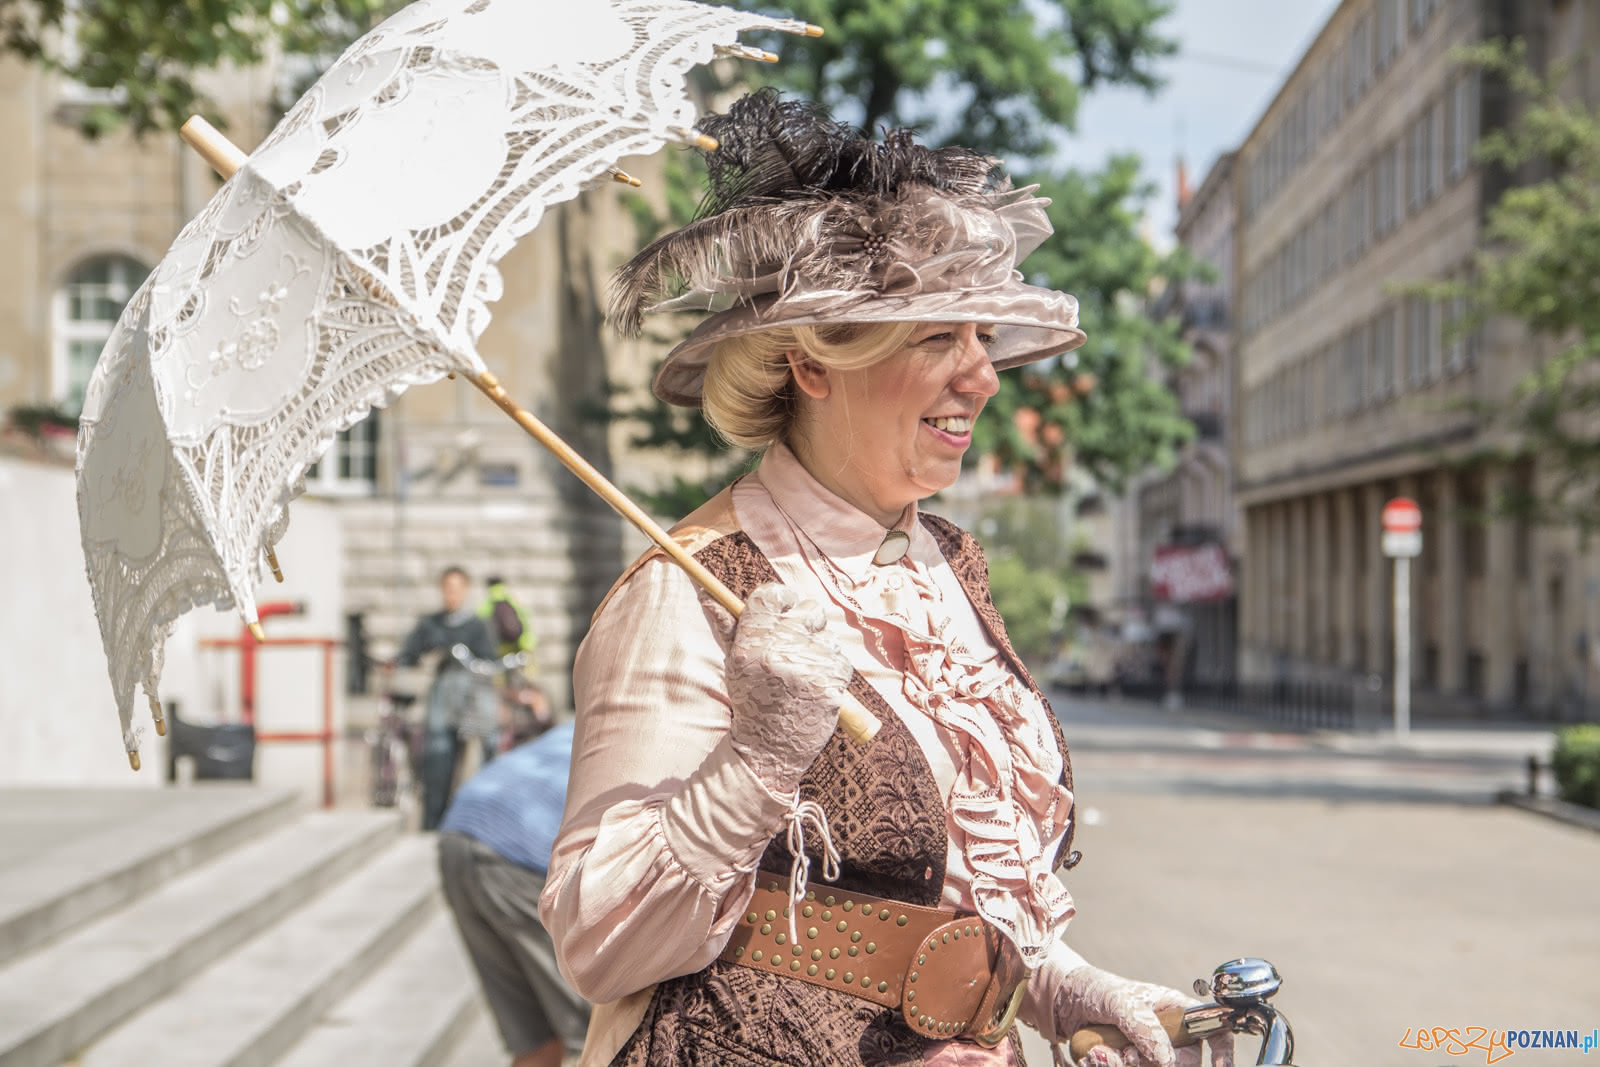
1402, 646
1402, 540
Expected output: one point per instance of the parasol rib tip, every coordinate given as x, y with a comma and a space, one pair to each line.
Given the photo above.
704, 142
813, 31
133, 760
257, 632
157, 714
622, 176
272, 561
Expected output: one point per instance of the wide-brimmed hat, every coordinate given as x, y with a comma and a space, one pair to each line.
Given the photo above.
807, 223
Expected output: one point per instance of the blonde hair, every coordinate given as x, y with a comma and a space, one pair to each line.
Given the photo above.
750, 396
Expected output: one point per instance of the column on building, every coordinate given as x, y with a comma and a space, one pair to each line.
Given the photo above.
1252, 620
1345, 578
1319, 604
1452, 584
1299, 550
1378, 606
1279, 584
1502, 645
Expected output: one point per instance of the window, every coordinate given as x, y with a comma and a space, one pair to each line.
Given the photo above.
86, 309
1416, 342
1381, 381
1463, 122
350, 467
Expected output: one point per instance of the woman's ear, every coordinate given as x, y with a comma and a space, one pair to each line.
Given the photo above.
809, 375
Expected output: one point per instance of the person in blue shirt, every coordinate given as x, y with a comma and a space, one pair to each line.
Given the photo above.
494, 851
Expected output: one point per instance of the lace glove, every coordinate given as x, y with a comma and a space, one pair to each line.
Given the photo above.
786, 677
1089, 995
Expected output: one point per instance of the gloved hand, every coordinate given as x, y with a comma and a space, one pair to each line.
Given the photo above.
786, 677
1089, 995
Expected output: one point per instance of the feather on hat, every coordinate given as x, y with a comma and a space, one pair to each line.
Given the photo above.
806, 223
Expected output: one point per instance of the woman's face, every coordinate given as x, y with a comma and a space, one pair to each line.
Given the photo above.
895, 432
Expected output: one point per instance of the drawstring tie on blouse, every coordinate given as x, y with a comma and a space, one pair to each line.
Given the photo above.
800, 870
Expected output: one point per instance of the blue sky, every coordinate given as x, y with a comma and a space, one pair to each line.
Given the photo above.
1238, 53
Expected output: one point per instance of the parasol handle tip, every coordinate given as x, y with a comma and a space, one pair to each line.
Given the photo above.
258, 633
223, 155
133, 759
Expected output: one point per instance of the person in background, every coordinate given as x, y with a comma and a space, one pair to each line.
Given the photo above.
507, 620
460, 704
494, 850
524, 708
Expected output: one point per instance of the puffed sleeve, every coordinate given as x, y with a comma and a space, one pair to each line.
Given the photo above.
665, 823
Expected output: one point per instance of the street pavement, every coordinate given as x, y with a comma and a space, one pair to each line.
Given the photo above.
1381, 879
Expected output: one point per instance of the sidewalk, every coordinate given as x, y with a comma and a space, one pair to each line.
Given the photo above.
1113, 720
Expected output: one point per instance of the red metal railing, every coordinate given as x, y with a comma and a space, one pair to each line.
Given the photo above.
247, 646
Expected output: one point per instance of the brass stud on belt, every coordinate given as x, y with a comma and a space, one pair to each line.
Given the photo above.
914, 1011
865, 981
738, 952
827, 916
756, 955
849, 976
771, 915
843, 926
833, 953
776, 962
829, 973
883, 987
807, 910
812, 970
811, 896
911, 995
883, 916
816, 953
766, 928
901, 921
828, 901
957, 935
794, 965
849, 904
855, 936
854, 951
872, 946
913, 975
783, 939
921, 960
946, 937
751, 918
811, 932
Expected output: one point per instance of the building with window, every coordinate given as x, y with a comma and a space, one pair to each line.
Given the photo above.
1188, 524
441, 477
1360, 175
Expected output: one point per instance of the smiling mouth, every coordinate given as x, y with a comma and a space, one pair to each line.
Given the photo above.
956, 425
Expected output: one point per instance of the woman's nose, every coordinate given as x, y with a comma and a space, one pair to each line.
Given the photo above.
977, 374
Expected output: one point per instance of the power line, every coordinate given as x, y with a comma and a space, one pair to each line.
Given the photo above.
1216, 59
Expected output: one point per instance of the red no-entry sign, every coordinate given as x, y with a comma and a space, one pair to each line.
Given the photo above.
1402, 528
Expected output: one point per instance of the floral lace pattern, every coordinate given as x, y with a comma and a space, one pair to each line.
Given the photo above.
352, 256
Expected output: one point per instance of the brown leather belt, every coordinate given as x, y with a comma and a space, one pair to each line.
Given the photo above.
952, 976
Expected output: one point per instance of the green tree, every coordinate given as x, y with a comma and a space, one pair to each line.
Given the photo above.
148, 53
1539, 265
1009, 76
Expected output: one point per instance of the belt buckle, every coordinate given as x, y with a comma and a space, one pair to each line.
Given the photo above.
1000, 1025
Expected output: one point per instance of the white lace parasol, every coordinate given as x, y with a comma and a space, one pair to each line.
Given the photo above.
351, 256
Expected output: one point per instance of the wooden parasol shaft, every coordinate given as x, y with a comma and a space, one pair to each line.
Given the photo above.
859, 723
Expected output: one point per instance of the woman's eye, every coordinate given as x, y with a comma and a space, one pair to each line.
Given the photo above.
987, 339
937, 339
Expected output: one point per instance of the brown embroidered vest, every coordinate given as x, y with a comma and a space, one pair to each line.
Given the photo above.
888, 822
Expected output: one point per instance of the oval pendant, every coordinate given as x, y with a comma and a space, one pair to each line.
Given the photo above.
896, 543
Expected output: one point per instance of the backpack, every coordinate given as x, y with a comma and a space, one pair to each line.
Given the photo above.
506, 622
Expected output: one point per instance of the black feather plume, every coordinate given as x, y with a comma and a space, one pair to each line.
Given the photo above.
784, 178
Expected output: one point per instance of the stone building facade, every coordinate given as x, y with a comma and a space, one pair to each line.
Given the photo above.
1188, 522
1360, 175
441, 477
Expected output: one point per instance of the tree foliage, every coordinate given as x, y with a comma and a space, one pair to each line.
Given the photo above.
1539, 265
148, 55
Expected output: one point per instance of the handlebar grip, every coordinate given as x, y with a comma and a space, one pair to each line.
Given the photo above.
1092, 1037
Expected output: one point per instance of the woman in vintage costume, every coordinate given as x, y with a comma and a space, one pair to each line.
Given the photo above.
865, 294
